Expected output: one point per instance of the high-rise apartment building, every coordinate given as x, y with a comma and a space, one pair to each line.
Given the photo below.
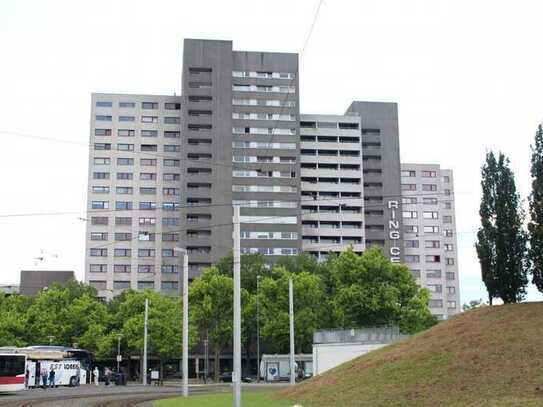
430, 233
165, 172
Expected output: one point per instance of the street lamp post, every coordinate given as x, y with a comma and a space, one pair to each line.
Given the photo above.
119, 336
185, 288
257, 330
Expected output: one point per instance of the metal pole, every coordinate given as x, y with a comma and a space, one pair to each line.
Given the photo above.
236, 375
291, 317
118, 352
206, 366
144, 378
185, 324
257, 331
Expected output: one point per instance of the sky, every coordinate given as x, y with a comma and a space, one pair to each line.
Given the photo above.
467, 77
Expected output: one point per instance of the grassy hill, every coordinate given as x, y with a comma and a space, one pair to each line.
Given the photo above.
485, 357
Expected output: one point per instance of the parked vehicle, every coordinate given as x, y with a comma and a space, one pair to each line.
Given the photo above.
12, 372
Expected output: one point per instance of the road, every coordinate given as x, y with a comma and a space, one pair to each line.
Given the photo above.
108, 396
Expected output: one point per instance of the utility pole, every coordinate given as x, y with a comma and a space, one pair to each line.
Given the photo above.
236, 375
206, 366
257, 330
291, 317
119, 336
144, 378
185, 324
185, 288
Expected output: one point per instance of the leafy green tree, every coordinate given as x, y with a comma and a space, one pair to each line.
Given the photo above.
473, 304
252, 266
274, 299
13, 321
501, 241
372, 291
535, 226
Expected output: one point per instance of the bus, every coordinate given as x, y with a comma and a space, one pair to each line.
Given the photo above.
12, 372
72, 365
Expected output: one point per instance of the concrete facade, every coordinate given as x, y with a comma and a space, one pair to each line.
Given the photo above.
431, 252
32, 281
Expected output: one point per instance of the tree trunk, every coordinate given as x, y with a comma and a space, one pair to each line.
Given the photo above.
161, 370
490, 300
216, 364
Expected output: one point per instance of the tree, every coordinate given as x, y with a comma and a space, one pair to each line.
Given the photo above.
274, 300
372, 291
252, 266
501, 241
473, 304
535, 226
211, 300
13, 321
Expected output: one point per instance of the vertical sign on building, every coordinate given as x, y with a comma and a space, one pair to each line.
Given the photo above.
394, 231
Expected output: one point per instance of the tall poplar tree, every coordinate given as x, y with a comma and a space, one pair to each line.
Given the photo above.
535, 227
501, 241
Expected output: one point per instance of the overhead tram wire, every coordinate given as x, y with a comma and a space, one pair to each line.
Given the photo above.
301, 201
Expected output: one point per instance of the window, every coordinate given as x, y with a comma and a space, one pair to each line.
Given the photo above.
121, 268
146, 252
433, 274
408, 173
98, 268
121, 285
98, 284
168, 253
169, 268
411, 258
448, 233
98, 236
102, 161
124, 190
411, 243
125, 161
409, 214
432, 244
125, 147
411, 229
450, 275
125, 175
170, 206
98, 252
126, 133
171, 163
451, 304
149, 119
103, 118
100, 103
447, 219
415, 273
102, 146
409, 187
147, 221
435, 288
148, 190
429, 201
409, 200
449, 261
123, 205
431, 229
170, 191
127, 104
429, 174
148, 147
148, 162
149, 105
100, 189
99, 220
102, 132
122, 252
447, 192
172, 148
170, 237
449, 247
170, 221
435, 303
172, 106
430, 215
451, 290
123, 221
172, 120
171, 177
149, 133
147, 205
172, 134
146, 268
429, 187
446, 179
433, 258
100, 205
147, 176
123, 237
169, 285
448, 205
127, 118
143, 285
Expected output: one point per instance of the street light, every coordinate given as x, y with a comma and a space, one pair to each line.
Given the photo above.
119, 336
185, 288
257, 330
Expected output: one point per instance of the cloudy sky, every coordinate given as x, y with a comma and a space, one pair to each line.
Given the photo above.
467, 76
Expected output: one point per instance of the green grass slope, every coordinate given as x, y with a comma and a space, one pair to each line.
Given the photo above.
491, 356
